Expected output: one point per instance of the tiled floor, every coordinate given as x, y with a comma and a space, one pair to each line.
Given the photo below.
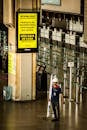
32, 116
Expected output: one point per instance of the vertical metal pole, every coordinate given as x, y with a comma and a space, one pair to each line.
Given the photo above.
64, 84
77, 91
70, 65
49, 97
81, 80
77, 84
70, 85
64, 67
82, 73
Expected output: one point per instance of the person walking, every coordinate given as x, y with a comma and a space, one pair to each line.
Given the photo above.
56, 90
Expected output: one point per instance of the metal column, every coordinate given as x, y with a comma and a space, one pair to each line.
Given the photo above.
70, 65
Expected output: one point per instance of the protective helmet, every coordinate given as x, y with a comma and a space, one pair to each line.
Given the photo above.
55, 80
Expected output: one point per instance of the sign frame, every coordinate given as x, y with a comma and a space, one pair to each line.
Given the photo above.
27, 47
51, 2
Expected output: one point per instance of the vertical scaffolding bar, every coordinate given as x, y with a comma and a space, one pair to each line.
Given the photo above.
82, 77
70, 65
64, 68
77, 82
70, 85
64, 84
49, 98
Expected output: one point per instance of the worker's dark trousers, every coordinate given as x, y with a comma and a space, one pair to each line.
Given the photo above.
55, 107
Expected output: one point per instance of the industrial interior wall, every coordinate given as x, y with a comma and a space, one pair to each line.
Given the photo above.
72, 6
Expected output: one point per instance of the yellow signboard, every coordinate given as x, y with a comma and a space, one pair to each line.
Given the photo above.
27, 30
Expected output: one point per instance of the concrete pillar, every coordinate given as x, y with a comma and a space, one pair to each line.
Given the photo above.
22, 66
38, 4
34, 4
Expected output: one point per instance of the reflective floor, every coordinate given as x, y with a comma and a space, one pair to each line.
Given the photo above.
32, 116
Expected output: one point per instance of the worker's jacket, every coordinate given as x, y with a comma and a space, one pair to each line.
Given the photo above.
55, 94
